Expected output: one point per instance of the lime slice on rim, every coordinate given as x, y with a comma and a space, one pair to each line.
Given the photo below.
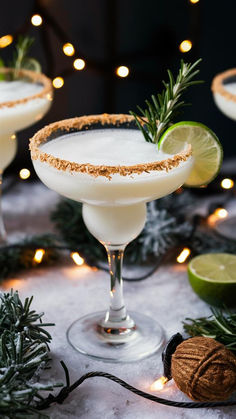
213, 278
206, 148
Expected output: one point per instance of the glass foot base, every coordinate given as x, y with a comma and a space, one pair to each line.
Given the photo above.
146, 339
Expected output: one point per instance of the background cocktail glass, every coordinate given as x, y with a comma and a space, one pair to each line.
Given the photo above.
18, 114
224, 94
114, 211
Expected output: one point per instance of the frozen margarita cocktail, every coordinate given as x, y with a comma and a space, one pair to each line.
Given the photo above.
111, 165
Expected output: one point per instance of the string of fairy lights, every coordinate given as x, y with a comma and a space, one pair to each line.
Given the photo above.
218, 214
122, 71
75, 256
79, 63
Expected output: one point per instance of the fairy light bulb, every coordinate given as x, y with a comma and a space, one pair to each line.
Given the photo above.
5, 41
158, 384
36, 20
122, 71
194, 1
68, 49
58, 82
183, 255
79, 64
221, 213
185, 45
38, 256
24, 174
77, 258
227, 183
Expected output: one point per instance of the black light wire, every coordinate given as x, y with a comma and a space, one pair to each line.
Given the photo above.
66, 390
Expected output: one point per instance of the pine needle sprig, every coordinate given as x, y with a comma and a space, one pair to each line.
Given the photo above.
23, 353
219, 326
16, 317
162, 108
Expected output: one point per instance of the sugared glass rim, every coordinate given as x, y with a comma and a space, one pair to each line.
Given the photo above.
35, 77
218, 84
85, 122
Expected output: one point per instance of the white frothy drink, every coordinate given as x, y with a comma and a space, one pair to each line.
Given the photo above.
17, 89
114, 209
19, 116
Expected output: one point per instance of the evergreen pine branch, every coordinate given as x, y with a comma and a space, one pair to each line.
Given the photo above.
219, 326
163, 107
23, 353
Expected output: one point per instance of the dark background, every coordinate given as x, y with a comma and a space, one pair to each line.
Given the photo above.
144, 35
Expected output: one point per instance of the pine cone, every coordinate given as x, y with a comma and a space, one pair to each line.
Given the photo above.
204, 369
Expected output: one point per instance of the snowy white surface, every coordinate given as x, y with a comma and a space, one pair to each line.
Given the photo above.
67, 292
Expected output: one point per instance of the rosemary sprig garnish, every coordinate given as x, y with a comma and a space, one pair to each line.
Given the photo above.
23, 46
163, 107
219, 326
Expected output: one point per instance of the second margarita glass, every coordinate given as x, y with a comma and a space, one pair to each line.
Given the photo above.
23, 101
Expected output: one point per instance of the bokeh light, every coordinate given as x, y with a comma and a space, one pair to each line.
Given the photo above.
122, 71
79, 64
185, 45
58, 82
183, 255
227, 183
24, 174
68, 49
221, 213
5, 41
38, 256
36, 20
77, 258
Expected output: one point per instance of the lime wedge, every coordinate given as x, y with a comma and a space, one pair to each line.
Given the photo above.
2, 75
206, 148
213, 278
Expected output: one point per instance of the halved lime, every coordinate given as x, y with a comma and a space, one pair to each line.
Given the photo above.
206, 148
213, 278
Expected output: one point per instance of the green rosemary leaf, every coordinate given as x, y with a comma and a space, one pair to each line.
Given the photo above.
155, 102
144, 132
20, 57
22, 48
141, 110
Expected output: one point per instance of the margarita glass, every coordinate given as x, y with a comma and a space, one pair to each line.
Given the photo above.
23, 101
224, 94
104, 162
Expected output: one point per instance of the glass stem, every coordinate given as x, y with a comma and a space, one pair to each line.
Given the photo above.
117, 325
117, 310
3, 234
